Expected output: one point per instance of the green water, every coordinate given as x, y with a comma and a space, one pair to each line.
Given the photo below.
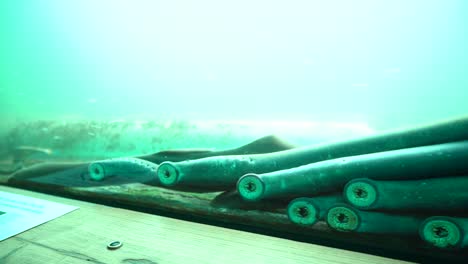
384, 64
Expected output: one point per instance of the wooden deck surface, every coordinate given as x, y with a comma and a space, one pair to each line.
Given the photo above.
72, 180
82, 235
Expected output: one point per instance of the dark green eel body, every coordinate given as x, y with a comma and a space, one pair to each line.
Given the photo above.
449, 159
308, 211
343, 217
445, 232
437, 194
143, 168
267, 144
223, 172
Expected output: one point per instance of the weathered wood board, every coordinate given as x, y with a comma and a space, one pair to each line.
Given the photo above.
72, 180
82, 236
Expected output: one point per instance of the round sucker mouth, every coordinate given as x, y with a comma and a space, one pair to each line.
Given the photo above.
250, 187
302, 212
361, 194
168, 174
342, 218
441, 233
96, 171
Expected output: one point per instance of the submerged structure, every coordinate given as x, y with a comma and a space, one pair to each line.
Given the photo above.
339, 123
407, 185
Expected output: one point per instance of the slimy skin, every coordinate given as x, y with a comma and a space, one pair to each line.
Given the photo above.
44, 169
99, 170
232, 200
134, 167
445, 232
223, 172
449, 159
267, 144
437, 194
308, 211
345, 218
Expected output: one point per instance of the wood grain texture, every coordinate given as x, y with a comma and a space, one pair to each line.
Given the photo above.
124, 192
82, 235
72, 180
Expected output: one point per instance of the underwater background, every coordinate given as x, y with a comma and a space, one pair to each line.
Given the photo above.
100, 76
367, 98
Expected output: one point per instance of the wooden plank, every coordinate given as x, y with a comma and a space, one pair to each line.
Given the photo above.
72, 180
82, 235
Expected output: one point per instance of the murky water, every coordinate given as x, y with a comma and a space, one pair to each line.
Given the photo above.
352, 65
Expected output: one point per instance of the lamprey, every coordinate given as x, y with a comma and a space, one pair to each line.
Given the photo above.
449, 159
342, 217
222, 173
99, 170
307, 211
445, 232
437, 194
265, 144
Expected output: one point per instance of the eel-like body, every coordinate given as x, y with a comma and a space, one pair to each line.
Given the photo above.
232, 200
130, 167
343, 217
308, 211
263, 145
223, 172
449, 159
445, 232
267, 144
437, 194
44, 169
